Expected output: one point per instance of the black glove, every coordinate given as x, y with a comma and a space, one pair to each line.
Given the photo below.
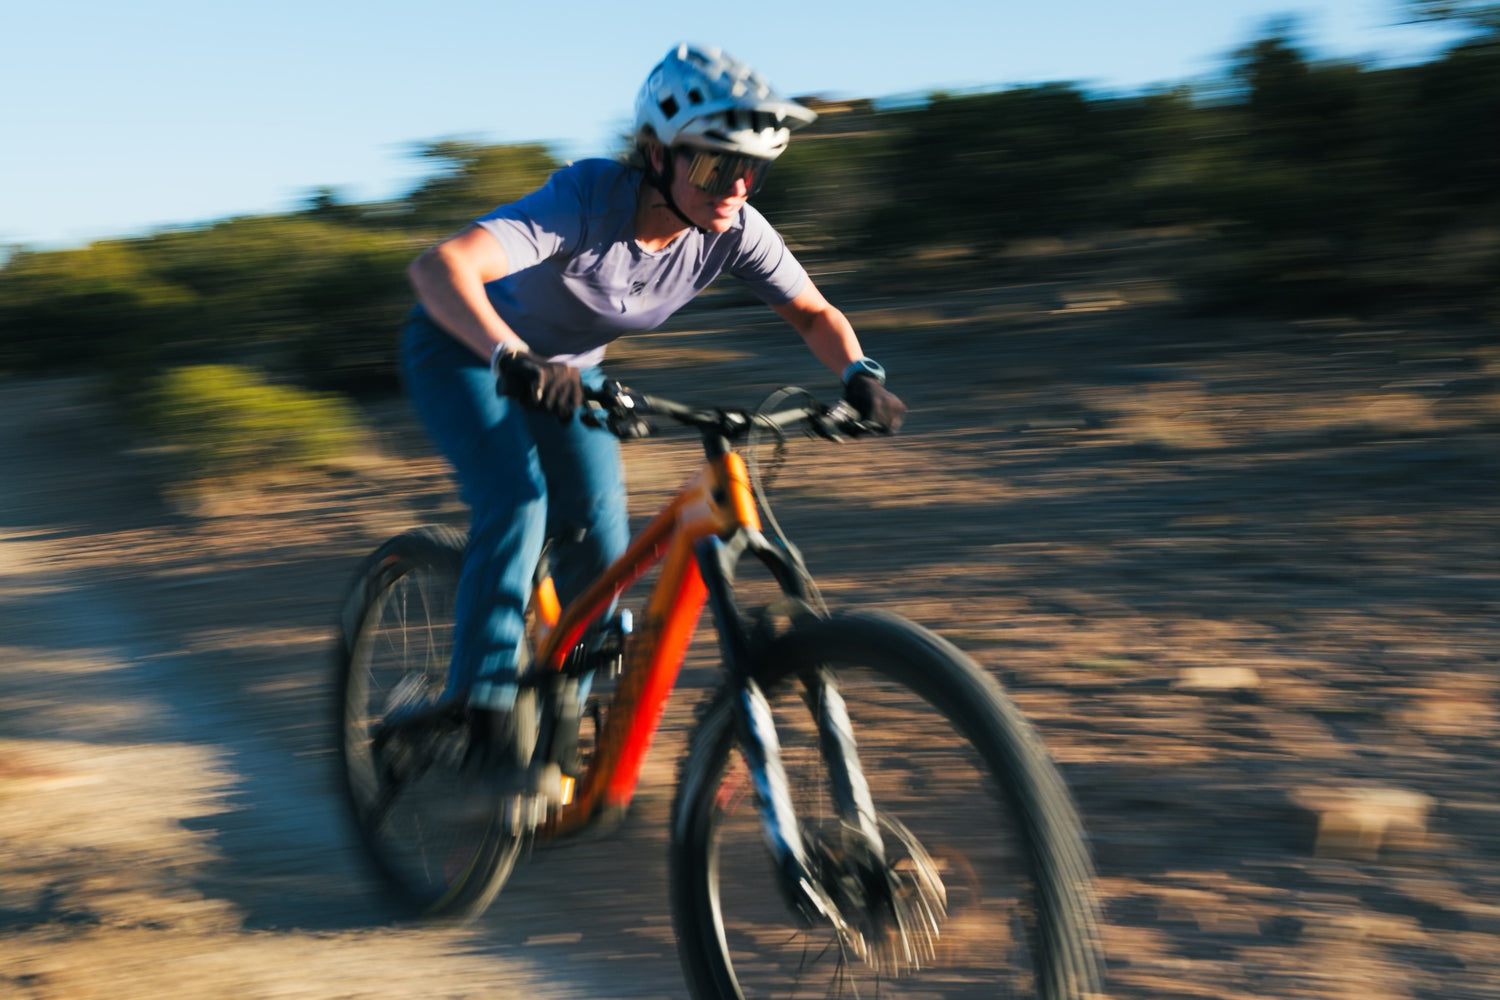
539, 384
875, 402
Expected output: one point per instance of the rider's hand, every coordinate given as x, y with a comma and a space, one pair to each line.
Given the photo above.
539, 384
875, 402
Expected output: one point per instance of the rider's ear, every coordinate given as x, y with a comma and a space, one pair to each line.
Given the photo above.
657, 154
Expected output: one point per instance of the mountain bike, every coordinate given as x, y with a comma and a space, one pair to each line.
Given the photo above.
861, 810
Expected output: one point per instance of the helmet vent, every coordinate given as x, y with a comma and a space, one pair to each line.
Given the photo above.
703, 96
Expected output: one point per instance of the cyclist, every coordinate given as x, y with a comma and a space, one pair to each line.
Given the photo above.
513, 316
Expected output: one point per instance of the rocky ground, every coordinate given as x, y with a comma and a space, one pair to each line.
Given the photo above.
1244, 576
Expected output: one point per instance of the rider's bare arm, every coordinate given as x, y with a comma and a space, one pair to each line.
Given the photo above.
826, 331
449, 279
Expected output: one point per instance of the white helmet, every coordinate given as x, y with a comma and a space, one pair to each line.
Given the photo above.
706, 98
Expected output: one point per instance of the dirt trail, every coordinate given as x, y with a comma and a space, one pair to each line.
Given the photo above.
1225, 567
170, 827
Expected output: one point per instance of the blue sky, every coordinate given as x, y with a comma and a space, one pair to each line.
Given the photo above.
120, 117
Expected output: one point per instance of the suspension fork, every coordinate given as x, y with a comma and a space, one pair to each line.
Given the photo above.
756, 728
850, 790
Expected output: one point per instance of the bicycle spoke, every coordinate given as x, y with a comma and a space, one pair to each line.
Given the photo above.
955, 908
437, 839
919, 932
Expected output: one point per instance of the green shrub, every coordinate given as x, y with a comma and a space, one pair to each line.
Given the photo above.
227, 421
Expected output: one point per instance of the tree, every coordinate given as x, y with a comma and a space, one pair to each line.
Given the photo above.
474, 179
1483, 17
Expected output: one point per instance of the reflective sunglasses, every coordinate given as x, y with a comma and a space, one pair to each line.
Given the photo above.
716, 173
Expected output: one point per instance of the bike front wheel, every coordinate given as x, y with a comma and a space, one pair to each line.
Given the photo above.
986, 887
441, 846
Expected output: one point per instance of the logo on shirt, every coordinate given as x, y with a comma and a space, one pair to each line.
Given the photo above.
637, 288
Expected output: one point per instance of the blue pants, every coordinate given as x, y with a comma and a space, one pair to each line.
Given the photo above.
525, 477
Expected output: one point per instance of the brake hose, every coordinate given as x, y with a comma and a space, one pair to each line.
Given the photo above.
759, 484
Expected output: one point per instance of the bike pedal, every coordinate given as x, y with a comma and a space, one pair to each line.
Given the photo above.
524, 814
549, 784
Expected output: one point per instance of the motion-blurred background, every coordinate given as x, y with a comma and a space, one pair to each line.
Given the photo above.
1205, 441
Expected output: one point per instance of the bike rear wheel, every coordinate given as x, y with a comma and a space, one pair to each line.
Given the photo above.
439, 844
993, 885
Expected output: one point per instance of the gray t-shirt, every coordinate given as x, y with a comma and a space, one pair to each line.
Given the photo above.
578, 279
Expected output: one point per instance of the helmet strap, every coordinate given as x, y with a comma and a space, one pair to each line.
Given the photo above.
662, 181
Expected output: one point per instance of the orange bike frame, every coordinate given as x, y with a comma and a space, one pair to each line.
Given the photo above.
716, 502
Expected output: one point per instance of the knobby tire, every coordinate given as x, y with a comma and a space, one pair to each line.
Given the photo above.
994, 818
441, 851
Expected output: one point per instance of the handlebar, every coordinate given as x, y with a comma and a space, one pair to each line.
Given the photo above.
624, 413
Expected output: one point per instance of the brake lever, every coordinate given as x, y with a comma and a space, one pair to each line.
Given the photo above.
836, 424
613, 408
630, 425
842, 421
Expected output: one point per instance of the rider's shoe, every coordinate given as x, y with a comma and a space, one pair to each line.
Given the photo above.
499, 757
416, 713
414, 732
